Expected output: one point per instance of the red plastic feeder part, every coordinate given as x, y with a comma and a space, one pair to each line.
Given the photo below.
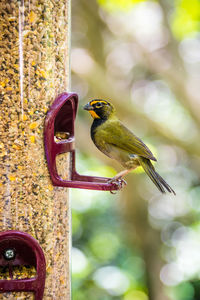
20, 249
61, 118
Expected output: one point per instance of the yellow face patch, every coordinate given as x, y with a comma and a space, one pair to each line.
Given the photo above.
93, 114
97, 101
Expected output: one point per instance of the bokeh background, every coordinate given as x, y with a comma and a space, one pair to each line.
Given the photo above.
144, 56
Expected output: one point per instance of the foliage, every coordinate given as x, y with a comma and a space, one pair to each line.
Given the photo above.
107, 266
185, 19
116, 5
144, 57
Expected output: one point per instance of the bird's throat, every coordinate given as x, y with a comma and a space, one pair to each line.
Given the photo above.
96, 123
93, 114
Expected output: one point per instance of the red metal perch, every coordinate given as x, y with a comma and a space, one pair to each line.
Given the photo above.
20, 249
61, 118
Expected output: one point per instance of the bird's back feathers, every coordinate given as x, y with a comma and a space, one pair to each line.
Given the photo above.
115, 133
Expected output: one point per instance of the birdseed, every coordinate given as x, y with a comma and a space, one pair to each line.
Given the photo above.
34, 69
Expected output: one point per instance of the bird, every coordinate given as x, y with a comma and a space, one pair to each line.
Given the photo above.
116, 141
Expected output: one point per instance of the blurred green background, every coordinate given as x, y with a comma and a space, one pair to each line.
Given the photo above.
144, 56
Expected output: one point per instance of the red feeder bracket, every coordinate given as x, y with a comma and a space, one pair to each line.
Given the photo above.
61, 118
19, 249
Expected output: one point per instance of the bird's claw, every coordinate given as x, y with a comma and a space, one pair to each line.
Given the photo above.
119, 182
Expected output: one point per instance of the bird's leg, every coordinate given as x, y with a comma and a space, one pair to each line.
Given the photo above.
117, 179
120, 174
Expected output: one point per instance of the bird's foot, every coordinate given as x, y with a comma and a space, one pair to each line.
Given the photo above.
119, 182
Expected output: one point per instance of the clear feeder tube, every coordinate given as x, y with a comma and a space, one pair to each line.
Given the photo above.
34, 69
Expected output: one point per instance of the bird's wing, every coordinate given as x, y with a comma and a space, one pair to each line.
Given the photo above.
116, 134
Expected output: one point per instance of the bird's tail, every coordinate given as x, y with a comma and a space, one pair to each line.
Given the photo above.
155, 177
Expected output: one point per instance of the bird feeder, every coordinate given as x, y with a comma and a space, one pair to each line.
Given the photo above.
34, 214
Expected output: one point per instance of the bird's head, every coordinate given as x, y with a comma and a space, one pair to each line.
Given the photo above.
100, 109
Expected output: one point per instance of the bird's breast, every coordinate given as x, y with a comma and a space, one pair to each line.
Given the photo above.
96, 128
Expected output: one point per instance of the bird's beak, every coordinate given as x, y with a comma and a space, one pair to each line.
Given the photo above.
88, 107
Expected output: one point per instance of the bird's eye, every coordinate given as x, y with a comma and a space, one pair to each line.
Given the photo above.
98, 105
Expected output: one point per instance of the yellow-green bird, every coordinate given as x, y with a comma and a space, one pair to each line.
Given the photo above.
117, 142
